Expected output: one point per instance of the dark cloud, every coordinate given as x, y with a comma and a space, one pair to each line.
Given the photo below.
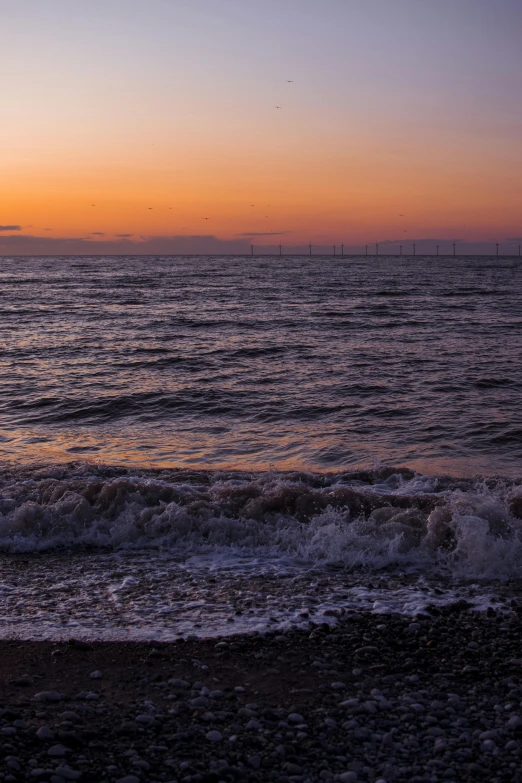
411, 240
28, 244
124, 236
513, 239
97, 233
10, 228
263, 233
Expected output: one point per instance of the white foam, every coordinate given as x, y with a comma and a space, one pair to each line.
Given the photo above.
178, 553
130, 596
468, 532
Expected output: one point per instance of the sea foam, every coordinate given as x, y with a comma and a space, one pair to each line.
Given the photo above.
372, 519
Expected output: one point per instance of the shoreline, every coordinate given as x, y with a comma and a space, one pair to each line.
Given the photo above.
374, 698
368, 470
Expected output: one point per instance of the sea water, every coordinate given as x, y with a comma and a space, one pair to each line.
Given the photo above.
217, 445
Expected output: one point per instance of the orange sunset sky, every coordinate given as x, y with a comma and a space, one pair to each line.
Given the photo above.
125, 124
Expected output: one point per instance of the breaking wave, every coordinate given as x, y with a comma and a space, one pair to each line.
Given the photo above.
373, 519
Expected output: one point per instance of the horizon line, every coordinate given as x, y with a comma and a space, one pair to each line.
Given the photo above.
260, 255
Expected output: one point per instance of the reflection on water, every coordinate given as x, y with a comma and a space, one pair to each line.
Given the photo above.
315, 363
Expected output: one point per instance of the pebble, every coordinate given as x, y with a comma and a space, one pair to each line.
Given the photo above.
69, 715
142, 764
200, 701
349, 704
96, 675
245, 712
45, 733
57, 750
179, 683
48, 696
67, 773
214, 736
145, 719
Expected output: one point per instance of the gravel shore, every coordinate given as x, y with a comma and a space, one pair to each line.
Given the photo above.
375, 698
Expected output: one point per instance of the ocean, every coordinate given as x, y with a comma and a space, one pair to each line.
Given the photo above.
212, 445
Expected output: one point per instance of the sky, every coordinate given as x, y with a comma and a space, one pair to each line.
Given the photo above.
152, 125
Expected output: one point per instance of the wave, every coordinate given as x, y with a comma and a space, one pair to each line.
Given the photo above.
188, 400
373, 518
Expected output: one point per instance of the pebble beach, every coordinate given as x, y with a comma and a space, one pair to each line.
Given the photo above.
436, 697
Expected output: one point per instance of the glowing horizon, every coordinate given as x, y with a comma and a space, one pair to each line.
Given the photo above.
395, 122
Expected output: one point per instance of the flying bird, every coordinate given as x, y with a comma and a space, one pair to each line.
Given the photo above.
205, 218
151, 207
279, 107
289, 81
